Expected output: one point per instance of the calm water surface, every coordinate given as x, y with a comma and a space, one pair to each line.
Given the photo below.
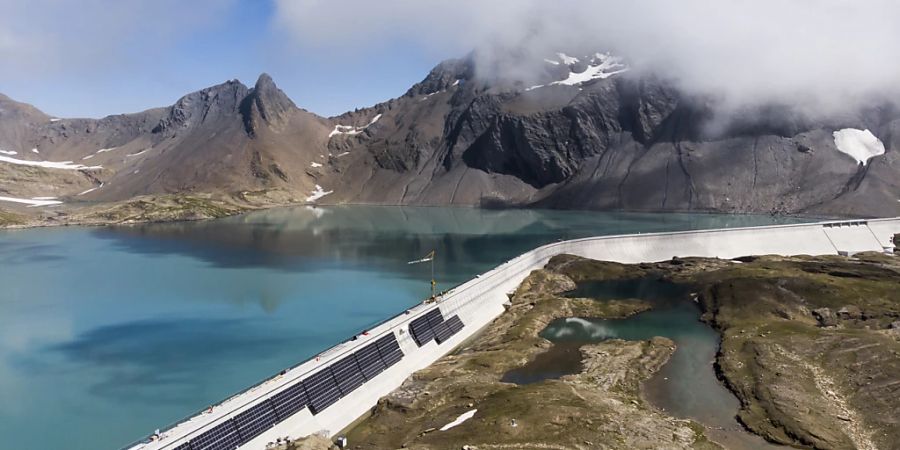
686, 386
109, 333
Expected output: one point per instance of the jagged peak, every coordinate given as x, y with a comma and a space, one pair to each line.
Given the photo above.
445, 75
265, 103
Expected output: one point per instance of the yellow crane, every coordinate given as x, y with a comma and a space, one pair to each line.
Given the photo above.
427, 258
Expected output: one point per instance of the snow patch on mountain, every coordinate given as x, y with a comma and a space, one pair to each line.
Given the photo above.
861, 145
67, 165
600, 66
352, 130
317, 193
8, 152
91, 190
36, 201
315, 165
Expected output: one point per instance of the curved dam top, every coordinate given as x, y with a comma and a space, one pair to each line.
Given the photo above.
329, 392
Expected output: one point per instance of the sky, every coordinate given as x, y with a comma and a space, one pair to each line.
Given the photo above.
92, 58
89, 58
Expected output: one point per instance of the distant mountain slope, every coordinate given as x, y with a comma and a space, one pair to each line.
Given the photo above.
585, 133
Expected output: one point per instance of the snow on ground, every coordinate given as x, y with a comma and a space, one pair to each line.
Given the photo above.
34, 150
342, 154
138, 153
317, 193
455, 83
68, 165
352, 130
314, 165
91, 189
8, 152
55, 120
860, 145
37, 201
550, 61
462, 418
601, 66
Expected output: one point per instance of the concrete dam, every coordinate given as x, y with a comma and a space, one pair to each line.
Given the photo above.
328, 393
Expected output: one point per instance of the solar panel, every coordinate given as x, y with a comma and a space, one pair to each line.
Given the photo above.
369, 361
442, 332
455, 324
254, 421
434, 317
289, 401
347, 375
222, 437
185, 446
389, 350
321, 390
421, 331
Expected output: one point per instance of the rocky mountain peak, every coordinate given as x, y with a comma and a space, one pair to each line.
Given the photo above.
265, 103
205, 105
443, 76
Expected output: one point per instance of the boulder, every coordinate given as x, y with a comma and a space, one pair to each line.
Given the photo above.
826, 317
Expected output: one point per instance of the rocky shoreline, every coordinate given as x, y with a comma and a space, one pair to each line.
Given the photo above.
810, 346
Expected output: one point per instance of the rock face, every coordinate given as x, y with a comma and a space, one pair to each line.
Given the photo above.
588, 134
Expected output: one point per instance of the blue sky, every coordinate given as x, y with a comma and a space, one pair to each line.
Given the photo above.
162, 56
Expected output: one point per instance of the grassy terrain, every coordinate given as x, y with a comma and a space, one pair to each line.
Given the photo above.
10, 219
808, 346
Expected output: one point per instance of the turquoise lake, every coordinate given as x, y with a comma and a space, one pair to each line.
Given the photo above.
109, 333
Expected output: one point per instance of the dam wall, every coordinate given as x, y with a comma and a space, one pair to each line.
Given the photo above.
329, 392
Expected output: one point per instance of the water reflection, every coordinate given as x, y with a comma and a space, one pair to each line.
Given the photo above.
108, 333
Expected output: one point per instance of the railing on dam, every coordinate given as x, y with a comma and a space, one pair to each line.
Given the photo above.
247, 411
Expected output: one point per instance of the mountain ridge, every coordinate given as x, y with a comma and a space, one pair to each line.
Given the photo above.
588, 136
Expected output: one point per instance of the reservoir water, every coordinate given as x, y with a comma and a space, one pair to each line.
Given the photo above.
109, 333
686, 386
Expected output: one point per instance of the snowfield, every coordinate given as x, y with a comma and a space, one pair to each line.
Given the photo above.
352, 130
600, 67
462, 418
37, 201
317, 193
67, 165
8, 152
861, 145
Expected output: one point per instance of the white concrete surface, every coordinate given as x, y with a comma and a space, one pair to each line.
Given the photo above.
480, 300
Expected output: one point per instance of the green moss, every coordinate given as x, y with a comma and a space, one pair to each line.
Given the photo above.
10, 219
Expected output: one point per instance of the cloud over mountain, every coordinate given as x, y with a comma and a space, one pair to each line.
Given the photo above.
826, 55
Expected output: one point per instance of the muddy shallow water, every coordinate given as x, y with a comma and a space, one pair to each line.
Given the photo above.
686, 386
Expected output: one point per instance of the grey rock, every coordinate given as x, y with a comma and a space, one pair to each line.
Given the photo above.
826, 317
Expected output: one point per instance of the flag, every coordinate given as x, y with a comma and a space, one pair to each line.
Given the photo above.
427, 258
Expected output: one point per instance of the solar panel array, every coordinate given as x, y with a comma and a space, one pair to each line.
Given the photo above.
254, 421
347, 374
370, 362
433, 326
289, 401
318, 392
322, 390
389, 350
222, 437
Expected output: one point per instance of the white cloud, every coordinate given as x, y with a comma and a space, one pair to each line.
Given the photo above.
826, 55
